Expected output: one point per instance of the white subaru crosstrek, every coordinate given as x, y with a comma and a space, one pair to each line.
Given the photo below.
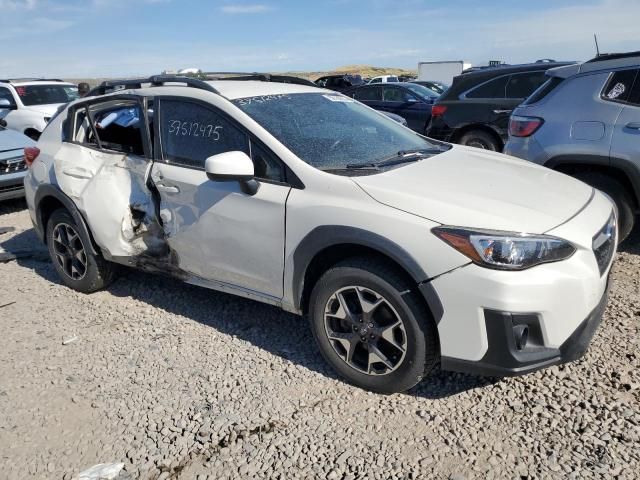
403, 252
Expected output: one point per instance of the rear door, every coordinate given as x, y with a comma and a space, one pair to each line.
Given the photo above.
370, 95
493, 101
400, 101
218, 232
102, 165
624, 87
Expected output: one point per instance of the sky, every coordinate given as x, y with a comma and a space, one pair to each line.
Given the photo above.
96, 38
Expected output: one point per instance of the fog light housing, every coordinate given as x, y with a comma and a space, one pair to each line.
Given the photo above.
521, 336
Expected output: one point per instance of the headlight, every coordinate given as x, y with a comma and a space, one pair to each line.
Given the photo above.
505, 250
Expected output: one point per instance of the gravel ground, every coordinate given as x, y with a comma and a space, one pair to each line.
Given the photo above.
184, 383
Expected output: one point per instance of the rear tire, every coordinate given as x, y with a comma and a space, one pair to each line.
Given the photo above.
69, 250
480, 139
371, 326
620, 196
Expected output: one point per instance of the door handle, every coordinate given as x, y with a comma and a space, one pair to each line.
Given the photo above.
634, 125
499, 112
167, 188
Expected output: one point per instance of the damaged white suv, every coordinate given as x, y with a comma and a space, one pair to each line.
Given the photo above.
404, 252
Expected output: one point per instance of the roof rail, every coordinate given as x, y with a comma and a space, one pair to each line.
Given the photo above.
110, 86
261, 77
613, 56
13, 80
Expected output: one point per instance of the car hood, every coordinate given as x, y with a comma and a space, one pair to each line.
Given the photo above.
468, 187
46, 110
12, 140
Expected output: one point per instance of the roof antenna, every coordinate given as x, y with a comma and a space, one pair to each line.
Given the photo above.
595, 37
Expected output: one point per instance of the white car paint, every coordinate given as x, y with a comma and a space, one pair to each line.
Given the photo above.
385, 79
247, 245
29, 117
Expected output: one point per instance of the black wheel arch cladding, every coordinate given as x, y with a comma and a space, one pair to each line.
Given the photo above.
325, 237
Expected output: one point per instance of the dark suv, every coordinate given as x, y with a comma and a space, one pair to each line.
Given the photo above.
339, 83
475, 110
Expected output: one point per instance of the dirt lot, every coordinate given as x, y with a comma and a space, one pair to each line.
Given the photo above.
181, 382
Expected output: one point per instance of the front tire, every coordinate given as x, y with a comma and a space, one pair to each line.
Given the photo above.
371, 326
76, 266
618, 194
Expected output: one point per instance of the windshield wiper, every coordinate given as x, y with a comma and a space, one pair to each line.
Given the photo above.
405, 156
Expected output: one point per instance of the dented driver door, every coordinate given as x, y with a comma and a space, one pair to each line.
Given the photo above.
223, 237
103, 168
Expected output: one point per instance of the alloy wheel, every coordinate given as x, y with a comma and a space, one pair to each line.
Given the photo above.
365, 330
69, 251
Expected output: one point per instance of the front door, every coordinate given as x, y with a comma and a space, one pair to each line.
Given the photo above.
218, 232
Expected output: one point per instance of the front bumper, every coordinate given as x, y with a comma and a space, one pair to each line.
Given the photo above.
484, 311
504, 358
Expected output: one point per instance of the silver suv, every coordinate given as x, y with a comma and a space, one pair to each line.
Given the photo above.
585, 121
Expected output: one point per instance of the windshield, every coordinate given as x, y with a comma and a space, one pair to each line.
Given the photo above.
331, 131
46, 94
421, 91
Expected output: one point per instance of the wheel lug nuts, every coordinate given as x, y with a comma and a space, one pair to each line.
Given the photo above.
370, 325
372, 336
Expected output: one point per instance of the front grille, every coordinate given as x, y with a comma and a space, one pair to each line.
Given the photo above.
12, 165
604, 244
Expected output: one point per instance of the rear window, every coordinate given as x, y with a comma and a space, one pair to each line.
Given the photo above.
547, 87
46, 94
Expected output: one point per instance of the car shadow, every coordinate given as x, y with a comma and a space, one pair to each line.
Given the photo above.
269, 328
632, 242
12, 206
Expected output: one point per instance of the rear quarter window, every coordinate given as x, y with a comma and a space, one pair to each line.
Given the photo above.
619, 86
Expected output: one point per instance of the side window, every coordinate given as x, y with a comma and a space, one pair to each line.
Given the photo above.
190, 133
376, 80
6, 94
522, 85
619, 86
368, 93
265, 164
634, 96
392, 94
120, 126
321, 82
495, 88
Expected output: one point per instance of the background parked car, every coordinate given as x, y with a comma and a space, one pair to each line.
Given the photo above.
437, 87
12, 164
31, 103
396, 118
385, 79
339, 83
412, 102
475, 110
585, 121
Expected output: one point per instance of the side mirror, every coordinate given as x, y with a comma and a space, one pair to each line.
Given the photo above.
233, 166
4, 103
3, 123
